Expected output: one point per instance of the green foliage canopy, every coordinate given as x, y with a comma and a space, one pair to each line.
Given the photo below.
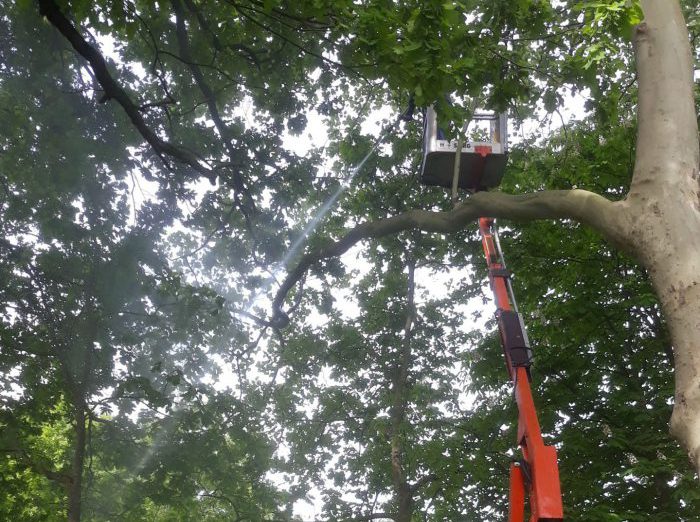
128, 281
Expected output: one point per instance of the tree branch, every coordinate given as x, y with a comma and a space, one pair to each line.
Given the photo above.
53, 14
580, 205
234, 155
415, 487
40, 467
373, 516
204, 25
351, 68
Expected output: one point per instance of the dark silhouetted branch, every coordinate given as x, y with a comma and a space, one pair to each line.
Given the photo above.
113, 90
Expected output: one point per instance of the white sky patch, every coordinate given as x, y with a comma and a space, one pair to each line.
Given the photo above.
544, 124
315, 135
108, 47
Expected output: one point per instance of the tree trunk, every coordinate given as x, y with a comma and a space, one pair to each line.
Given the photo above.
81, 374
402, 490
672, 257
663, 205
77, 462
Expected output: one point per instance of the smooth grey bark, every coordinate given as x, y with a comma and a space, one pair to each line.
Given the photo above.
658, 222
663, 205
584, 206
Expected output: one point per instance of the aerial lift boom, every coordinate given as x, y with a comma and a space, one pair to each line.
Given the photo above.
536, 473
535, 476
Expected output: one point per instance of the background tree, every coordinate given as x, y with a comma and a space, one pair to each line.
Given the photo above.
97, 329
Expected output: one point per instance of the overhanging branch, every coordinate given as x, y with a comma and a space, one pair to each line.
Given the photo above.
580, 205
112, 89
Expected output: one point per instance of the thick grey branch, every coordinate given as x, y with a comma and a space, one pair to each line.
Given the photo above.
580, 205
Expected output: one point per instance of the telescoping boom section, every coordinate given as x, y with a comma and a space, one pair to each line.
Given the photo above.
536, 475
534, 479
